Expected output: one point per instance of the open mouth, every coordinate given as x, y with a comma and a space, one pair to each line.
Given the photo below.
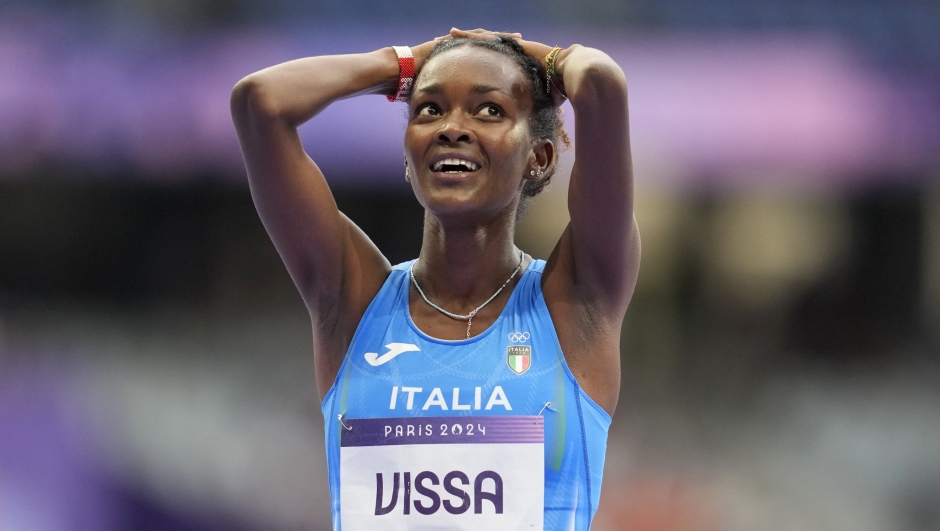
454, 166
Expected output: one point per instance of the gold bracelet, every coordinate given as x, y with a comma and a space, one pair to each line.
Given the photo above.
550, 70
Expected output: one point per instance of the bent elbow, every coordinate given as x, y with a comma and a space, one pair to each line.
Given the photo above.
596, 76
250, 100
604, 75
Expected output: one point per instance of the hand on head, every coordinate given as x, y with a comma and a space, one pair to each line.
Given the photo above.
536, 50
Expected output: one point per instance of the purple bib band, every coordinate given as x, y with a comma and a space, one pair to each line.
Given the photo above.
443, 430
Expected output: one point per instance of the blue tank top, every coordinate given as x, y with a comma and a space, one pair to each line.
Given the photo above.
418, 391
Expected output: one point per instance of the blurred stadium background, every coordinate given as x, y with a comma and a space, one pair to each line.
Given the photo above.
780, 355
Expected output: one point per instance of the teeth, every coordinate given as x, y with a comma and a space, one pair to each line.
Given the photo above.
455, 162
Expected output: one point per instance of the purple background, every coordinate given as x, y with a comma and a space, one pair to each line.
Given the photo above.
738, 108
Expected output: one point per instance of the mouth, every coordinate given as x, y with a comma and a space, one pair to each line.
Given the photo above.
455, 165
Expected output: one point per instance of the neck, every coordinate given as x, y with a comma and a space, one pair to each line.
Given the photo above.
461, 266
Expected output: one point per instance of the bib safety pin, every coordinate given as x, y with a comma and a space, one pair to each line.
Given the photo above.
546, 406
340, 419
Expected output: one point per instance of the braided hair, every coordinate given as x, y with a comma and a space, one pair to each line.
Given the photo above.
545, 123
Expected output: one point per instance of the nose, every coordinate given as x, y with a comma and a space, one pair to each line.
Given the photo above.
455, 130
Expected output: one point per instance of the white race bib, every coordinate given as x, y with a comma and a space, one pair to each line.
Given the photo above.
454, 473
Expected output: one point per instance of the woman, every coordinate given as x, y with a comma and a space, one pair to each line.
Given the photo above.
471, 388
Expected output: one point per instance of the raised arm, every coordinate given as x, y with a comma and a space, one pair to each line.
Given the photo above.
593, 270
602, 241
289, 191
334, 265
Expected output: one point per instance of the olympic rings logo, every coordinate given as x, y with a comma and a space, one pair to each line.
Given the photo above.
519, 337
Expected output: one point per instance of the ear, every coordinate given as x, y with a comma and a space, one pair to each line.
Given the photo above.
541, 160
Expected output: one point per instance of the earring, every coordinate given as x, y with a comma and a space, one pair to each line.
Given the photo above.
532, 173
407, 172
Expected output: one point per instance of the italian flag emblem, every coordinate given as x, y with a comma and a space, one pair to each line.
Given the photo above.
519, 358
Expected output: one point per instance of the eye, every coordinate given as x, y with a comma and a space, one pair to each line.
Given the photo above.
491, 110
428, 109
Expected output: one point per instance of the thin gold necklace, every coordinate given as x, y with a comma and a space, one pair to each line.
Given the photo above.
469, 316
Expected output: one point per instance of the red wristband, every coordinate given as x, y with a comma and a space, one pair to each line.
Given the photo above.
406, 73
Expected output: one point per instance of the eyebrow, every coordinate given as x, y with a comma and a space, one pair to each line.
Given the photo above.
477, 89
483, 89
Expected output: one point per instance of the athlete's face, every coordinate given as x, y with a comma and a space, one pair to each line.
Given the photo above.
468, 143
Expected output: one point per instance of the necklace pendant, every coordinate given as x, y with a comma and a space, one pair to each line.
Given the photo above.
470, 320
469, 316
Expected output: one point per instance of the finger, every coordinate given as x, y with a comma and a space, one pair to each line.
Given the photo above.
472, 36
481, 33
506, 34
478, 33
